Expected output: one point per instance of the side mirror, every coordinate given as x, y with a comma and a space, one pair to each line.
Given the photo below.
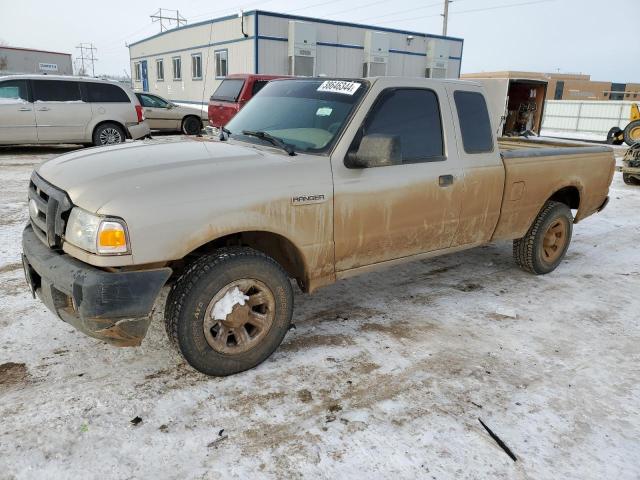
170, 105
376, 150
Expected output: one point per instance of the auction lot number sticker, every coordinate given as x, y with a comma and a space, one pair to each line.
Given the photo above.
339, 86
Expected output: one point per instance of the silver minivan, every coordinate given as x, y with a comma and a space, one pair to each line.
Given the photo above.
63, 109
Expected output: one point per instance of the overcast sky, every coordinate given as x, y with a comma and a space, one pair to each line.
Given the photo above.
598, 37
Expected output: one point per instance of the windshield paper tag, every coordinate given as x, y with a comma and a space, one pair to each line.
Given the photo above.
339, 86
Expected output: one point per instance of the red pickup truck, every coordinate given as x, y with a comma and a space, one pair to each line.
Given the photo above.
233, 93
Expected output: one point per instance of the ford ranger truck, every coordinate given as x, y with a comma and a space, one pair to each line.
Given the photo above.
315, 180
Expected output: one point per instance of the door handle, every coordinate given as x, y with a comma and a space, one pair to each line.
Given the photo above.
444, 180
24, 109
44, 109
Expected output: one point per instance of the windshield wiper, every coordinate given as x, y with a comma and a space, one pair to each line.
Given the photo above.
271, 139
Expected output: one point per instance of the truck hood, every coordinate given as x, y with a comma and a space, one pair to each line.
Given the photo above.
125, 173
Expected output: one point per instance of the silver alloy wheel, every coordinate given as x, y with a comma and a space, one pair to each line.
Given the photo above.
110, 135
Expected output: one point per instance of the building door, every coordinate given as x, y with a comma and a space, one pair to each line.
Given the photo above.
145, 76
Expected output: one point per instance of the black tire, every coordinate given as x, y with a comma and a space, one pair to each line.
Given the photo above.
198, 286
191, 126
529, 252
632, 133
614, 137
108, 134
630, 179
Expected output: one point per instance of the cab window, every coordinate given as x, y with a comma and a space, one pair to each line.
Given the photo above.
413, 116
475, 124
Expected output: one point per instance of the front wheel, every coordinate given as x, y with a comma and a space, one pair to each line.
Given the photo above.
191, 126
544, 246
229, 311
108, 134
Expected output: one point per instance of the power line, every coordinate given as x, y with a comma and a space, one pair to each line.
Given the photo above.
472, 11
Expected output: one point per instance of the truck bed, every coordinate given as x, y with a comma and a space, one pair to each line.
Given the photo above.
576, 173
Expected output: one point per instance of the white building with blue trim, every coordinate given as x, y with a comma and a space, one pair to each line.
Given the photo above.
186, 64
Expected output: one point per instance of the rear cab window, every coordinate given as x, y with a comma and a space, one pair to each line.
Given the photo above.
105, 93
14, 91
56, 91
475, 124
228, 90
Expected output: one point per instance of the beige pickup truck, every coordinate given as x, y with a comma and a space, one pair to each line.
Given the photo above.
314, 180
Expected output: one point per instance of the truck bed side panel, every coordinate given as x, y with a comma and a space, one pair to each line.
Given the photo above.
534, 175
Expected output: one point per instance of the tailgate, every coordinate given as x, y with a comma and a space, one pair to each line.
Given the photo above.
539, 170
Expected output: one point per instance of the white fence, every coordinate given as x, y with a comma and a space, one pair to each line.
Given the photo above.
584, 119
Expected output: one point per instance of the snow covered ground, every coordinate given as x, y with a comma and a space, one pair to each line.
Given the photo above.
385, 376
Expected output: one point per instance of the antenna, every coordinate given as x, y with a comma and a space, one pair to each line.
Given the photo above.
169, 16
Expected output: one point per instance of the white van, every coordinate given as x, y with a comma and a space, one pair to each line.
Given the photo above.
63, 109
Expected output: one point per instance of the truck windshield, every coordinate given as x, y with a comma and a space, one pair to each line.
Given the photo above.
305, 114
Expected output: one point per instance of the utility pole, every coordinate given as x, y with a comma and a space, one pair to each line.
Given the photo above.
170, 16
87, 55
445, 16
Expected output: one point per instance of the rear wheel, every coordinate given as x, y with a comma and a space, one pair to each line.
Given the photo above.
229, 311
542, 249
632, 133
108, 134
630, 179
191, 126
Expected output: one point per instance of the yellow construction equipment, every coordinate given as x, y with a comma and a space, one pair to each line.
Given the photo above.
631, 133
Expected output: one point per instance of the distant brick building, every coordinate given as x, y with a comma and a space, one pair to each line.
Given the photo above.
570, 86
15, 60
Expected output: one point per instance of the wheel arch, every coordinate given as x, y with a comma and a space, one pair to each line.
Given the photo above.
569, 195
116, 122
277, 246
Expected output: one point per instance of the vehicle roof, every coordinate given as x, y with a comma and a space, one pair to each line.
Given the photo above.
256, 75
388, 80
36, 76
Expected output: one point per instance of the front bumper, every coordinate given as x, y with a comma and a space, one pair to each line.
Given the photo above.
112, 306
139, 130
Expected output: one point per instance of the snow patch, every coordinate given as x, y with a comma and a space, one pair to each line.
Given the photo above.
12, 101
224, 306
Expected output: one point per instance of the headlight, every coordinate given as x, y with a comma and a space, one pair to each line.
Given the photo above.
96, 234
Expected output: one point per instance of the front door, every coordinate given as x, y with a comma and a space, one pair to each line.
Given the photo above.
61, 114
405, 208
158, 112
17, 118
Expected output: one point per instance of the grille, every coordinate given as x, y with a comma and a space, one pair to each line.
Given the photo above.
49, 209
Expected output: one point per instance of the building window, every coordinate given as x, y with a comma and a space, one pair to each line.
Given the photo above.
137, 67
557, 95
196, 66
222, 65
177, 68
160, 70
